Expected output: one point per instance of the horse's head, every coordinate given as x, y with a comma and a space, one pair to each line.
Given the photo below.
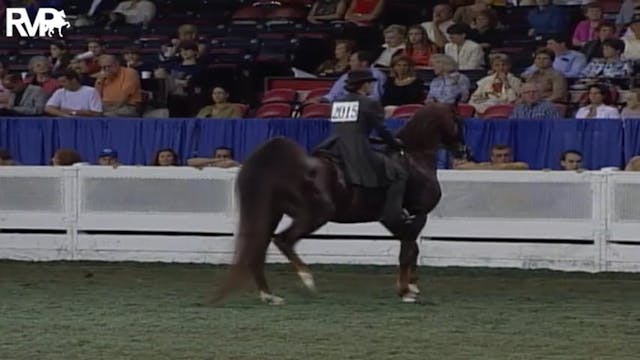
433, 125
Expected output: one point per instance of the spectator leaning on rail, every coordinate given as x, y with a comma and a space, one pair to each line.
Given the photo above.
571, 160
360, 60
5, 158
532, 106
108, 157
73, 99
222, 158
500, 159
24, 99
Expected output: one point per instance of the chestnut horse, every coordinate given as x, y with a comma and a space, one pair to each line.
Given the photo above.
280, 178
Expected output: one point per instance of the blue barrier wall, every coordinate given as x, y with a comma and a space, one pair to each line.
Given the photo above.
32, 141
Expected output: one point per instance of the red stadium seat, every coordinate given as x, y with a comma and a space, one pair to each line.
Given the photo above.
466, 110
405, 111
285, 13
274, 110
248, 14
498, 112
314, 95
316, 111
279, 96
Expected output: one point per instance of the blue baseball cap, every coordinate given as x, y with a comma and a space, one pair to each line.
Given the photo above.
108, 152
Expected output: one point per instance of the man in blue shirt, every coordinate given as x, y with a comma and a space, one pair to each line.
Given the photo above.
569, 63
547, 19
360, 60
532, 106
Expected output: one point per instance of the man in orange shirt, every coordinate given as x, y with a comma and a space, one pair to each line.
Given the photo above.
119, 88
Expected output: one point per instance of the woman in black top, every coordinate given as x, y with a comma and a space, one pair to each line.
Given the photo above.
485, 32
403, 87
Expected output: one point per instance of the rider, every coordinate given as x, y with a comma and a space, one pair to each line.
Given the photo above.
354, 116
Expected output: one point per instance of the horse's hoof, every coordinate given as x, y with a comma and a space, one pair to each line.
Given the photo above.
414, 288
409, 298
271, 299
307, 280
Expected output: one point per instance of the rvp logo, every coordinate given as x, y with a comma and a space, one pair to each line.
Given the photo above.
46, 22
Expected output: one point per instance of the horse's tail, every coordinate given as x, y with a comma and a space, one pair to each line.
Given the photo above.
262, 181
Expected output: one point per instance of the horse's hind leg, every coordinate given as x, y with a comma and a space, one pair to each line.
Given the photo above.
257, 269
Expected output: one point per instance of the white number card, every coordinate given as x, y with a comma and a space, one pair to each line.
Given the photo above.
344, 111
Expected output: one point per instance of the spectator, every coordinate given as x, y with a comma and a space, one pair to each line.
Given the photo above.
633, 164
611, 65
632, 41
500, 159
449, 86
73, 99
59, 56
467, 14
65, 157
222, 158
24, 99
91, 56
632, 109
340, 63
485, 32
132, 59
571, 160
133, 12
40, 69
546, 19
628, 10
93, 12
165, 157
5, 158
442, 19
532, 105
402, 87
501, 87
585, 30
593, 49
108, 157
80, 67
221, 108
467, 53
327, 10
569, 63
552, 84
364, 12
395, 37
4, 93
419, 49
186, 32
596, 107
360, 60
119, 88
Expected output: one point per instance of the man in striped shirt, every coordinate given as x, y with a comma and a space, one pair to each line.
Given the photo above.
532, 106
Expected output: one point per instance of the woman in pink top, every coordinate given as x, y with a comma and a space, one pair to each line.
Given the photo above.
586, 29
40, 75
419, 48
364, 12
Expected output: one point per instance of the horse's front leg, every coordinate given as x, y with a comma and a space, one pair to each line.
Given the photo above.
408, 256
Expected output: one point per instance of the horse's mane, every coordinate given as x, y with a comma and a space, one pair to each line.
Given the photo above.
422, 131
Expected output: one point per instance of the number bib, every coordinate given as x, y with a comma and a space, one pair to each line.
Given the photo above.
345, 111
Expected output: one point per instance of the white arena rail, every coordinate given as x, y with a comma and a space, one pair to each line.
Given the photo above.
528, 219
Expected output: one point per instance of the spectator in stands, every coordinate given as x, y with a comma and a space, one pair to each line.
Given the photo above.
133, 12
40, 75
93, 12
80, 67
132, 60
165, 157
467, 53
552, 84
501, 87
73, 99
65, 157
364, 12
546, 19
632, 109
91, 56
358, 61
449, 86
593, 49
108, 157
485, 32
5, 158
221, 108
186, 32
119, 88
585, 30
571, 160
395, 37
222, 158
467, 14
4, 93
532, 105
633, 164
596, 107
632, 41
24, 99
610, 65
500, 159
628, 10
340, 63
569, 63
442, 19
59, 56
327, 10
403, 86
418, 47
